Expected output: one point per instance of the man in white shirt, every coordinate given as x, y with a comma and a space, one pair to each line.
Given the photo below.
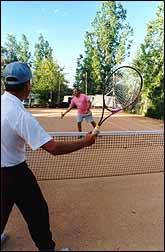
19, 186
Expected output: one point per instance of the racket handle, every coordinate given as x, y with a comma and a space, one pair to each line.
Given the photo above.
96, 130
62, 115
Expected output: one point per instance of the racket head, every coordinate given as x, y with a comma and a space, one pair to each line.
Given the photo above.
122, 88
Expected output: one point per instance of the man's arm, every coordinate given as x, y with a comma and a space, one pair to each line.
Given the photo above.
89, 104
63, 114
59, 148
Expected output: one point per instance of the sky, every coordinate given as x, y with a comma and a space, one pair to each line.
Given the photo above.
64, 23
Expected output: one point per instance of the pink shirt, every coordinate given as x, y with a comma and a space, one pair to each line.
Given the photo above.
81, 103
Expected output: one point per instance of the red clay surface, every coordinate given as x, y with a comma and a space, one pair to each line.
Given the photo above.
122, 213
51, 121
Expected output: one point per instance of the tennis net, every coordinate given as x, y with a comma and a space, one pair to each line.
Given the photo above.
114, 153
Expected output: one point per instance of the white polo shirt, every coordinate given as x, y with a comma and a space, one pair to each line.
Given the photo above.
18, 127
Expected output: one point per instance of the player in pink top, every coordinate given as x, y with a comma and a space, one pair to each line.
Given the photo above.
83, 104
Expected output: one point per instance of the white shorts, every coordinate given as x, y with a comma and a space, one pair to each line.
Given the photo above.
87, 117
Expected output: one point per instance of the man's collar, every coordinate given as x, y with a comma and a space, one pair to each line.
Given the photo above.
13, 97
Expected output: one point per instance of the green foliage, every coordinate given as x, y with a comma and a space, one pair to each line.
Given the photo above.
150, 61
10, 50
14, 51
49, 80
42, 49
23, 54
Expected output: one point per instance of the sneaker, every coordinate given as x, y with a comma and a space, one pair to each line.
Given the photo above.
3, 238
63, 249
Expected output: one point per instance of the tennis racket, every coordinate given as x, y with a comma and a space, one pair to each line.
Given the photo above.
120, 91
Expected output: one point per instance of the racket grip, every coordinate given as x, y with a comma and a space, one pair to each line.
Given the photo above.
62, 115
96, 130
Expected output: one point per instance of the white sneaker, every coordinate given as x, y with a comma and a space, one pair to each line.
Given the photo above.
63, 249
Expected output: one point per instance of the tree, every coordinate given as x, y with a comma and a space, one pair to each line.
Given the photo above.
23, 54
107, 45
43, 66
42, 49
150, 61
10, 50
16, 51
49, 80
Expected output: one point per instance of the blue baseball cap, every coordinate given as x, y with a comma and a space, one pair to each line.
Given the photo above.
18, 70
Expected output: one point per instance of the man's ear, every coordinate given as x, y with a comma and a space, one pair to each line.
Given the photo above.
28, 86
27, 89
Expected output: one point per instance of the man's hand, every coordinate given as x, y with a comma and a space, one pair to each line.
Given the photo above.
89, 139
96, 130
89, 105
62, 115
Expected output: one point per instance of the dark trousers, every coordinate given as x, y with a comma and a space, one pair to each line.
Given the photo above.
19, 186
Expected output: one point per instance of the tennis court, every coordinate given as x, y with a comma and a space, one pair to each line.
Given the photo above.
112, 213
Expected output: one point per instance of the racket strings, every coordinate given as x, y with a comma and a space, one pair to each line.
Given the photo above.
122, 89
125, 100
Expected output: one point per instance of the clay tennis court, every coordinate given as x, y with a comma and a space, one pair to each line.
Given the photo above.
119, 213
